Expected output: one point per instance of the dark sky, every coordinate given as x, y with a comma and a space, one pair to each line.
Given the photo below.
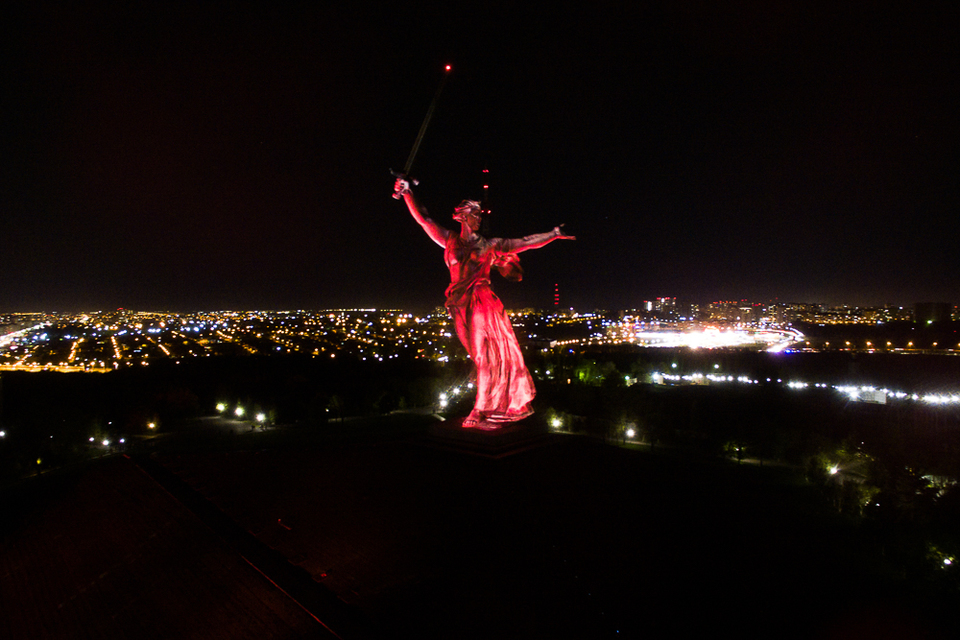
178, 158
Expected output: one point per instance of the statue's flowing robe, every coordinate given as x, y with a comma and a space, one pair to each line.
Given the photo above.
504, 386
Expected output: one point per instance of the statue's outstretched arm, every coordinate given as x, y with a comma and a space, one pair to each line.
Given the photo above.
437, 233
537, 240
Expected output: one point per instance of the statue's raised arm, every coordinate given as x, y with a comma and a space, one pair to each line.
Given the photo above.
437, 233
535, 241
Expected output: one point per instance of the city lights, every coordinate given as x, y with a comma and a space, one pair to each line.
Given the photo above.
103, 342
108, 341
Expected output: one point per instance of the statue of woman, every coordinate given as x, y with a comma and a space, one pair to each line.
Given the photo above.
504, 387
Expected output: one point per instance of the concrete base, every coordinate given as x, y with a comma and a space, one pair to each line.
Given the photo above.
491, 440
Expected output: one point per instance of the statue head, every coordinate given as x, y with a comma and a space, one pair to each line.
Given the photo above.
470, 212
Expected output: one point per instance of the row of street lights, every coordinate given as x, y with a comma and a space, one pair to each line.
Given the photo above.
239, 412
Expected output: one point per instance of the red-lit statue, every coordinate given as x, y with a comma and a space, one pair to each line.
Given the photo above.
504, 386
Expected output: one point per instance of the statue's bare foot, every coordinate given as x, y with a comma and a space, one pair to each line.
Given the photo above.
473, 419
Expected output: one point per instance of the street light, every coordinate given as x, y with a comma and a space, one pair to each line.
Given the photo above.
238, 412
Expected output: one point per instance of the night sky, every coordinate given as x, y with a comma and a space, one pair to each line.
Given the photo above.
179, 159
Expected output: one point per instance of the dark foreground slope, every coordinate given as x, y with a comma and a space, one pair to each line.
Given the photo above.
571, 539
106, 552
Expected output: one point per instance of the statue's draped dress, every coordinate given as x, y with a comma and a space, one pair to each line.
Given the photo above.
504, 386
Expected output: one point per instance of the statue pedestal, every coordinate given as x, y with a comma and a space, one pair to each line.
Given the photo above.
488, 439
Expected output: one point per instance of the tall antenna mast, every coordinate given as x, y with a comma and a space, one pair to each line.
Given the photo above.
485, 202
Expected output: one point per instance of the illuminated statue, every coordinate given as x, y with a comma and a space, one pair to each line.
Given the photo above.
504, 386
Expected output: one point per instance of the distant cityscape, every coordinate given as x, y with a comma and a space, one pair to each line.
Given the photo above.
783, 313
106, 341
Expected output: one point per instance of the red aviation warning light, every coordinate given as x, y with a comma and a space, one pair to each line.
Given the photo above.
446, 68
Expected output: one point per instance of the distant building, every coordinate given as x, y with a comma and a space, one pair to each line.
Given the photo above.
735, 311
785, 312
723, 310
661, 308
